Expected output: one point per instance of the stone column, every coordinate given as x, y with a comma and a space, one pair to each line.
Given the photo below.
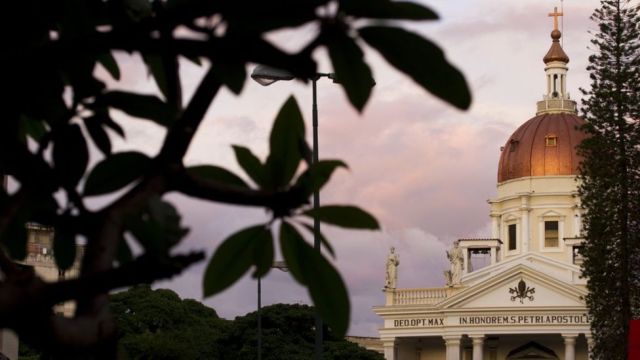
478, 349
389, 347
452, 343
494, 255
524, 216
561, 232
465, 261
495, 226
569, 346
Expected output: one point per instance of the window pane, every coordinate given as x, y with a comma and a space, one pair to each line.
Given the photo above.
550, 234
512, 237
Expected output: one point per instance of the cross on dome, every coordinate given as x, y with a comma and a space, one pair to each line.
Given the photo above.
555, 15
556, 99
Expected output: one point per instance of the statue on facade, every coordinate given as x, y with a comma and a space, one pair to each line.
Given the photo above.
392, 269
455, 256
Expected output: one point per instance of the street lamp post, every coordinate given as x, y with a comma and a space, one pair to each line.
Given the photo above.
282, 266
265, 75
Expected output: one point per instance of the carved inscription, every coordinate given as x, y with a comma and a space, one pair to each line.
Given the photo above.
483, 320
419, 322
524, 319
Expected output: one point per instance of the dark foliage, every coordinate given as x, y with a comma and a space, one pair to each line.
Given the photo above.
610, 178
54, 106
288, 333
157, 324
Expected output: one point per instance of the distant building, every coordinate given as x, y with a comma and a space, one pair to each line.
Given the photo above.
518, 294
40, 257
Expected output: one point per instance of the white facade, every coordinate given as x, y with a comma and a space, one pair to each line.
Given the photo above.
527, 301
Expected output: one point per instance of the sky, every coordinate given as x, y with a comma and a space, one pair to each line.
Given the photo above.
423, 168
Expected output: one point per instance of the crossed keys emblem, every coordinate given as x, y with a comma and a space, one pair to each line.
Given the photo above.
522, 291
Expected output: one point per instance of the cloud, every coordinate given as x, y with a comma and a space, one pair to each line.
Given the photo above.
424, 169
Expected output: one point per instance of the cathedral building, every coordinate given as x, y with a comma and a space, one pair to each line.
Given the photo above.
519, 293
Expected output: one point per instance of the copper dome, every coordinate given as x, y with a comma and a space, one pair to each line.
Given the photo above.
544, 145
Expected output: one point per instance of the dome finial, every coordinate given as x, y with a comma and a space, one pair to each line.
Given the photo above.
555, 14
556, 53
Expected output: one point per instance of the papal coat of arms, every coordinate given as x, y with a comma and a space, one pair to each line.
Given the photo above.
522, 291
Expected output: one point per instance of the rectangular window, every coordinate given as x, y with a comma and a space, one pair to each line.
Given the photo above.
551, 141
551, 234
512, 237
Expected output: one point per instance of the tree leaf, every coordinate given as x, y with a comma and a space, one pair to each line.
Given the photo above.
233, 75
262, 17
140, 106
34, 128
124, 254
326, 287
110, 64
422, 60
323, 239
108, 122
294, 254
98, 134
250, 164
115, 172
148, 233
157, 70
101, 115
157, 227
70, 154
318, 174
78, 70
344, 216
286, 135
216, 173
64, 248
232, 259
44, 210
385, 9
14, 238
164, 69
193, 59
349, 66
263, 254
167, 216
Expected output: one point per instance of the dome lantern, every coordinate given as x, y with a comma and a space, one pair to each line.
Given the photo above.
557, 99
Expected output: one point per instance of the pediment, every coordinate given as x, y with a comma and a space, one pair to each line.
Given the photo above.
511, 217
553, 268
518, 287
551, 213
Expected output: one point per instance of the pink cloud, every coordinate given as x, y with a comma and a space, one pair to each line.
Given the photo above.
423, 168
